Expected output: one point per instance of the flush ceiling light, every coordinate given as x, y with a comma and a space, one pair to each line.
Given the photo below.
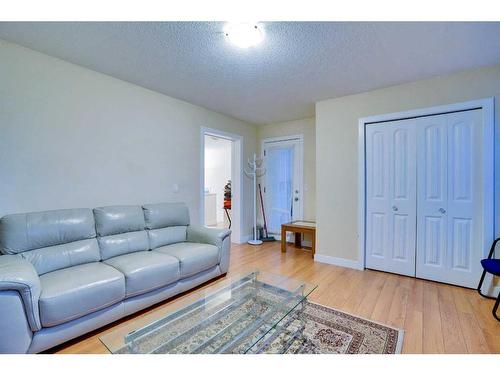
244, 35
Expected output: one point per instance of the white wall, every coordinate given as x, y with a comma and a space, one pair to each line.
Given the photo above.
337, 147
71, 137
217, 169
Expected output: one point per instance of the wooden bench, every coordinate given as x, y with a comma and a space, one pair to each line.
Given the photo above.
299, 227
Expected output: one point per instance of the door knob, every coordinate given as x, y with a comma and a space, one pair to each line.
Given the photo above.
394, 208
442, 210
296, 199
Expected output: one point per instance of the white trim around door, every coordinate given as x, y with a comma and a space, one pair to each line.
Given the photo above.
236, 179
487, 107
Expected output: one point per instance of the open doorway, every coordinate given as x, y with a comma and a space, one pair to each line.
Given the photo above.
221, 181
218, 194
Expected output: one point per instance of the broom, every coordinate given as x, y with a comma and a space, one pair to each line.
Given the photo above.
267, 238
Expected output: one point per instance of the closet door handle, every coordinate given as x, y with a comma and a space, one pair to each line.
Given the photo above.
442, 210
394, 208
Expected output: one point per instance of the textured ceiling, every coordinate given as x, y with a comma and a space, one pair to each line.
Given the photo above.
281, 79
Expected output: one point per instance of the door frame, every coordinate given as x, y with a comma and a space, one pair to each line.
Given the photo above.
236, 179
300, 138
488, 117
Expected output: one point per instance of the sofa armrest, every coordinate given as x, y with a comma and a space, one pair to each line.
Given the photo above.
19, 275
212, 236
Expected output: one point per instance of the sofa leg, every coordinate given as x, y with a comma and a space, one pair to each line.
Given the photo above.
221, 276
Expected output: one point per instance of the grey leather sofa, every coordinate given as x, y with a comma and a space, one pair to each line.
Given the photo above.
67, 272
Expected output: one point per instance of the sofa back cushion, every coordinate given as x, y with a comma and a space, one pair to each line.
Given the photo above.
120, 230
51, 240
166, 223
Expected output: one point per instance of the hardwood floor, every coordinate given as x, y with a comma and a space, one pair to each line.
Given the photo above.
437, 318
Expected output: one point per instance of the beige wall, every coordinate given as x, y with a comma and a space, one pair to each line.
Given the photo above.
307, 128
71, 137
337, 147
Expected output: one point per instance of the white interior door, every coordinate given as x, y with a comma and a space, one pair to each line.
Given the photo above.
282, 183
391, 196
449, 220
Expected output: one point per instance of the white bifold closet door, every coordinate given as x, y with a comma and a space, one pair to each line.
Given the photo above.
391, 196
424, 204
450, 199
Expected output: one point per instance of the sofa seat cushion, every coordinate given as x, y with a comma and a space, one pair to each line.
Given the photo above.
193, 257
73, 292
145, 271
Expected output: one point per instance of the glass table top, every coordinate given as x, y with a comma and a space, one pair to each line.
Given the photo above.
231, 316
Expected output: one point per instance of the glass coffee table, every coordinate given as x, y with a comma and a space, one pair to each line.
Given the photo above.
240, 314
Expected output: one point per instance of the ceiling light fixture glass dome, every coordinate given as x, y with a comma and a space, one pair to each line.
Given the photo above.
244, 34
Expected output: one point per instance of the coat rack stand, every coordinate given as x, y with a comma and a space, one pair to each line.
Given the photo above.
255, 170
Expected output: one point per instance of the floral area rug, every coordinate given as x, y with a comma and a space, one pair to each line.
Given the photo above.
328, 331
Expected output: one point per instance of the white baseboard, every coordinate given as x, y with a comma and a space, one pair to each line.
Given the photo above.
306, 243
496, 291
488, 288
491, 292
291, 239
342, 262
243, 239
